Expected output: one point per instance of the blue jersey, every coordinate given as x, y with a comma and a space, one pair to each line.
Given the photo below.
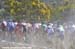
10, 26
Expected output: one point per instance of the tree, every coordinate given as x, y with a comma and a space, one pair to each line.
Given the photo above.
31, 9
59, 9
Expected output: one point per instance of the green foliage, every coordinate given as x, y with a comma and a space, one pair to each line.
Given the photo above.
37, 10
30, 8
58, 10
2, 13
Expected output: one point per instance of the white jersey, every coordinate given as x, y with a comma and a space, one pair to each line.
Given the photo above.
28, 25
15, 23
73, 26
23, 23
61, 28
5, 23
37, 25
49, 26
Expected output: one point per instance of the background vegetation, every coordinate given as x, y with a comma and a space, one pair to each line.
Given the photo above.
35, 10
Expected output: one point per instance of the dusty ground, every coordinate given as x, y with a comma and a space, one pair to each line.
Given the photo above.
40, 40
